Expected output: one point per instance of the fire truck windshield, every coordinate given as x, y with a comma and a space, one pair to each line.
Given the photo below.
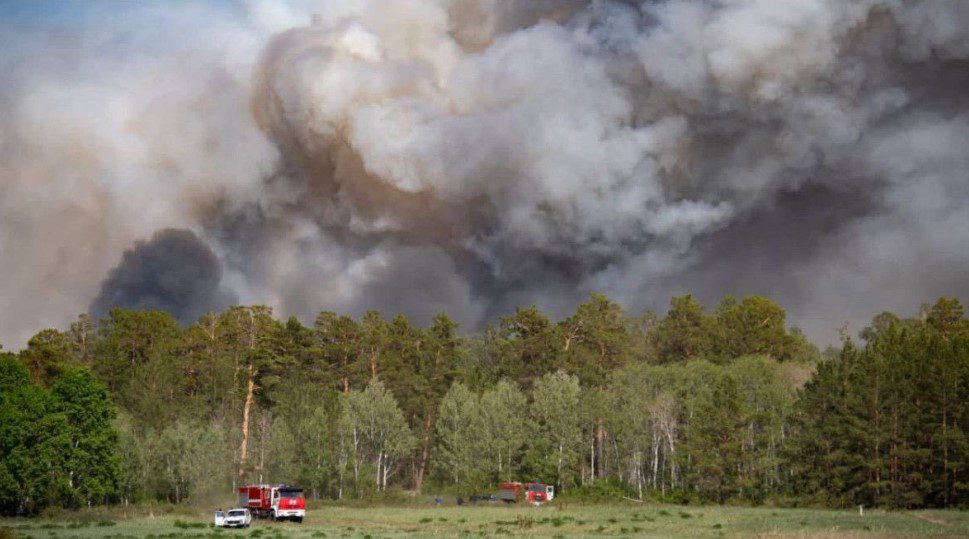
290, 493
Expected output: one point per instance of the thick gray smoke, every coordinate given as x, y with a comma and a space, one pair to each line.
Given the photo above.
474, 155
174, 272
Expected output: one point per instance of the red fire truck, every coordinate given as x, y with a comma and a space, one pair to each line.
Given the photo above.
534, 493
278, 502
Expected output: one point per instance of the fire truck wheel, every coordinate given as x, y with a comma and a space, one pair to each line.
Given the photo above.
299, 520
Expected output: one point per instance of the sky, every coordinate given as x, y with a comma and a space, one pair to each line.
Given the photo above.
420, 156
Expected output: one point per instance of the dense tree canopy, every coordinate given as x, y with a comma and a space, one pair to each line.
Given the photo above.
728, 405
57, 445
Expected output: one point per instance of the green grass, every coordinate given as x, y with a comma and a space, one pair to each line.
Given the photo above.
485, 520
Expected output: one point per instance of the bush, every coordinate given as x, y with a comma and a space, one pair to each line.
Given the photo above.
603, 490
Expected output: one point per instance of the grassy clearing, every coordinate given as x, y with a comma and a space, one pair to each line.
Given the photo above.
555, 521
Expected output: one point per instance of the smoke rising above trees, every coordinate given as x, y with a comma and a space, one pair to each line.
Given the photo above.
174, 272
474, 156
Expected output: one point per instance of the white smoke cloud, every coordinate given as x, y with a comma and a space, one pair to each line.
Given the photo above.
469, 156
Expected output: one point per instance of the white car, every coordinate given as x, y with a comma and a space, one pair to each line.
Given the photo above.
233, 518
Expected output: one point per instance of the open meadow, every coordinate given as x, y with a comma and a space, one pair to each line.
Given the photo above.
612, 520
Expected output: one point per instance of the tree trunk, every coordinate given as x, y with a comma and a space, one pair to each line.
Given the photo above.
345, 362
598, 470
422, 466
380, 461
592, 459
246, 409
945, 450
639, 472
386, 473
558, 467
356, 459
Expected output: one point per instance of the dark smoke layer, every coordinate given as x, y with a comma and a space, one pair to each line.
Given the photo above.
173, 272
470, 156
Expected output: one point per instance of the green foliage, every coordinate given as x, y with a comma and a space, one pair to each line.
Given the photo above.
752, 326
729, 406
527, 346
596, 340
461, 449
185, 459
605, 491
887, 424
505, 429
57, 446
373, 430
92, 463
129, 339
481, 436
554, 454
685, 332
47, 355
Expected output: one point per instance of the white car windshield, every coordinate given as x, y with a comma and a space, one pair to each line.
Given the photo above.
236, 513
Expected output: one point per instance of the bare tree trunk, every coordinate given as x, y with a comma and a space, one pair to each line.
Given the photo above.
346, 381
380, 459
422, 467
671, 455
558, 467
386, 473
356, 459
339, 494
945, 450
600, 435
246, 409
639, 473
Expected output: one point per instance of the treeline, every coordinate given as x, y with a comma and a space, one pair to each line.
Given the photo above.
725, 406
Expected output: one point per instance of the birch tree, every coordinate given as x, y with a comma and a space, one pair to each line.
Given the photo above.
505, 427
373, 429
558, 435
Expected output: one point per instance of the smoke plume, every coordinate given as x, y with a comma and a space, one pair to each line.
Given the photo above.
173, 272
474, 155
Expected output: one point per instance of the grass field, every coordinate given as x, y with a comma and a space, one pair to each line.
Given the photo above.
616, 520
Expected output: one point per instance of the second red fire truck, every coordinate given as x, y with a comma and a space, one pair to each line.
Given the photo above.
533, 493
278, 502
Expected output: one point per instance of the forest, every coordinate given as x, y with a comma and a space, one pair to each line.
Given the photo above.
727, 405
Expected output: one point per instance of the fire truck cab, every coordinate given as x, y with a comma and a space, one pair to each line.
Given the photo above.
277, 502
